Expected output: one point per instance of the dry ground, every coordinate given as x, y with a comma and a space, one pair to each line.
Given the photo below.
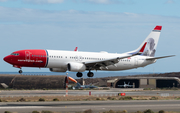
84, 98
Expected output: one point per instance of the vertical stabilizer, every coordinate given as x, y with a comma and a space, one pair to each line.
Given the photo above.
150, 43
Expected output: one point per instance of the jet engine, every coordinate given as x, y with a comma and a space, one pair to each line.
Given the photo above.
76, 67
57, 69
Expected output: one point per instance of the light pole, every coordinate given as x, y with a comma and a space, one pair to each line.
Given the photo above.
66, 84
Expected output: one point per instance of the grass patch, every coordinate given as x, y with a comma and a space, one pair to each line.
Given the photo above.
153, 98
126, 98
55, 99
46, 112
35, 112
161, 111
7, 112
21, 100
41, 99
178, 98
148, 111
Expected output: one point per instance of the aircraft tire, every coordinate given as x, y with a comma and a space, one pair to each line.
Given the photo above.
20, 71
90, 74
79, 74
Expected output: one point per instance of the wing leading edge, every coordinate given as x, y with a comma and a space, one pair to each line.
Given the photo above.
113, 61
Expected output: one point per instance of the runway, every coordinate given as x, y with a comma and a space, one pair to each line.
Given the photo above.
19, 93
96, 106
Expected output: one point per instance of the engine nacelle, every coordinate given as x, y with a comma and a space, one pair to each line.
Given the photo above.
57, 69
76, 67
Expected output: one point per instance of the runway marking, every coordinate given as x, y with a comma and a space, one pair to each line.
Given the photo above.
77, 107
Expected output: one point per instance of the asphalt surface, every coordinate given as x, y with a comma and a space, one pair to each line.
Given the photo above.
95, 106
111, 92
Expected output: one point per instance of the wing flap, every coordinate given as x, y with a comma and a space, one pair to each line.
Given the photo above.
104, 63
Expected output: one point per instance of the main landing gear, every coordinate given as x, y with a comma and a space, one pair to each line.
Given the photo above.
89, 74
79, 74
20, 71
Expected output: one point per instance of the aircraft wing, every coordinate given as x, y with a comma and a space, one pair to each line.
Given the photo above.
104, 63
113, 61
154, 58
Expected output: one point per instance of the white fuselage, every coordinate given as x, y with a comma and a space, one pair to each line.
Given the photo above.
60, 59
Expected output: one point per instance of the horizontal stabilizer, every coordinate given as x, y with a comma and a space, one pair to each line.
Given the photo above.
154, 58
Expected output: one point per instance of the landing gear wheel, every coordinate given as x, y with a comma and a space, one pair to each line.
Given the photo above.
20, 71
90, 74
79, 74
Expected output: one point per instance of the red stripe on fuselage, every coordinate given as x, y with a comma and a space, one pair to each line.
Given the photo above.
28, 58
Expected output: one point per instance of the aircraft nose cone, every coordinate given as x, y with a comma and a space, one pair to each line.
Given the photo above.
7, 59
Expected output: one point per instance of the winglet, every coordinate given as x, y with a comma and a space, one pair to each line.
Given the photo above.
158, 28
76, 49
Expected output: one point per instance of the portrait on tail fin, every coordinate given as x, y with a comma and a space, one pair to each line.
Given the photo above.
150, 50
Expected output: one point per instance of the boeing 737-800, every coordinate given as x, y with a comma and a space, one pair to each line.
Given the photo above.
77, 61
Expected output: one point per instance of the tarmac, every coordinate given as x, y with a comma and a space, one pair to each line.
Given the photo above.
111, 92
95, 106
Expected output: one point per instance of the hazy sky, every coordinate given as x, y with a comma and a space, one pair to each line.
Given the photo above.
92, 25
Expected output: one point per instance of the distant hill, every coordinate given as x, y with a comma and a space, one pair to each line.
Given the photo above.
105, 79
57, 81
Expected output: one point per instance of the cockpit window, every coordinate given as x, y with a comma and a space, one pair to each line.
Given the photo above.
15, 54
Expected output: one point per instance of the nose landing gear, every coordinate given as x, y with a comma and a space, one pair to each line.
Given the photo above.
20, 71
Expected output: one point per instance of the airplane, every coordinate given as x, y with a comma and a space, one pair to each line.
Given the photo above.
126, 85
79, 86
77, 61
